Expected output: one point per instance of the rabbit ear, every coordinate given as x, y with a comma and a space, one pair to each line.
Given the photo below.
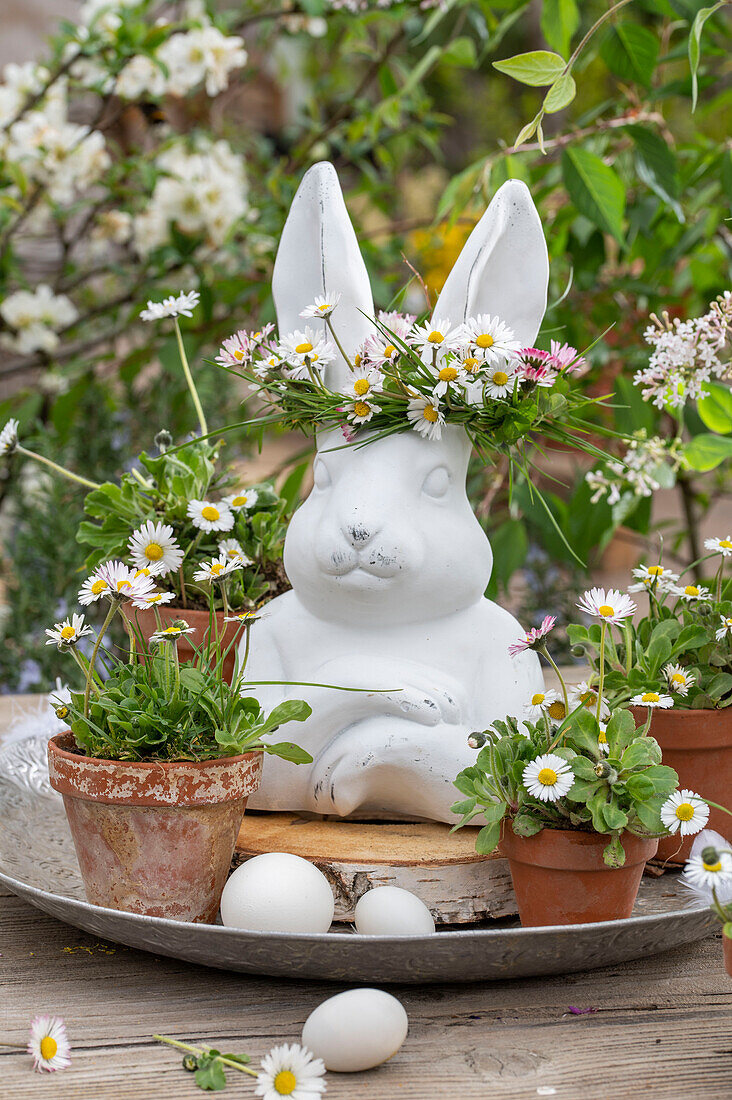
503, 269
319, 254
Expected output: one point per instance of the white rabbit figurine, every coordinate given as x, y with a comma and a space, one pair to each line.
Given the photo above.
387, 562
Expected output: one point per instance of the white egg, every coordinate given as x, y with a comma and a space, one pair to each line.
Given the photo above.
356, 1030
391, 911
277, 892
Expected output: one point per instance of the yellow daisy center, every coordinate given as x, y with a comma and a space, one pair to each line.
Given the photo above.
655, 570
98, 586
68, 632
587, 698
726, 544
314, 358
155, 599
285, 1082
485, 340
712, 866
500, 378
357, 359
691, 590
238, 502
602, 739
389, 350
448, 374
685, 811
216, 568
144, 572
122, 584
538, 699
239, 354
361, 408
678, 678
48, 1047
430, 413
606, 610
557, 711
171, 630
435, 337
154, 551
210, 513
361, 386
304, 348
650, 697
547, 777
471, 364
325, 305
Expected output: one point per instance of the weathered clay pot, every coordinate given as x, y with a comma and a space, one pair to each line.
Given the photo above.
151, 837
697, 744
727, 947
147, 624
559, 876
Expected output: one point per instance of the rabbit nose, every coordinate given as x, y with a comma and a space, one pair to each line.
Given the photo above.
359, 535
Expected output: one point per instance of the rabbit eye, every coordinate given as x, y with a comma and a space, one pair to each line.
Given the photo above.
321, 477
437, 483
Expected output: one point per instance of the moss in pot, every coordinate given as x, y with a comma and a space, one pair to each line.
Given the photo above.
575, 797
158, 764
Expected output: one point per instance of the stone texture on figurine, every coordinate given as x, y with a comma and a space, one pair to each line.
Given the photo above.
387, 561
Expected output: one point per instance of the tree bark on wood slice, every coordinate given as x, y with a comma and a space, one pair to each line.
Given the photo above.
442, 868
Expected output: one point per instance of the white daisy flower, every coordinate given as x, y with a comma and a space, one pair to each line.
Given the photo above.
236, 350
9, 437
540, 703
602, 741
719, 546
611, 606
725, 630
437, 335
655, 577
124, 583
426, 416
171, 633
586, 694
323, 306
67, 634
48, 1044
446, 372
243, 498
233, 550
692, 593
361, 411
652, 699
709, 866
242, 617
379, 351
209, 516
153, 599
291, 1071
499, 380
362, 384
299, 349
217, 569
180, 306
679, 679
490, 337
153, 546
264, 367
93, 588
548, 778
684, 813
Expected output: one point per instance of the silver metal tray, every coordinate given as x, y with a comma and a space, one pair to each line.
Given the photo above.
38, 863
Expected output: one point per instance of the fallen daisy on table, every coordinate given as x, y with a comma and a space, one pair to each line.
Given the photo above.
48, 1044
684, 813
291, 1071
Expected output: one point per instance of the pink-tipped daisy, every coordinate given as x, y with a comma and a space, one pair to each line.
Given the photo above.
566, 357
48, 1044
534, 637
609, 605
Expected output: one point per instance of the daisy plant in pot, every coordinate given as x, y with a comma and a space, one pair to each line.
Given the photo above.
708, 876
575, 793
672, 665
160, 757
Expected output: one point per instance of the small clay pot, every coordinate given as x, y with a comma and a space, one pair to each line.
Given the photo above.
727, 948
697, 744
559, 876
147, 624
152, 837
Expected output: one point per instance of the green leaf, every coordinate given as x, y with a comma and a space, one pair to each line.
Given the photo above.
706, 452
615, 818
595, 189
461, 51
559, 20
664, 779
526, 825
488, 838
715, 408
642, 752
210, 1077
291, 710
286, 750
561, 94
631, 52
695, 47
656, 167
494, 812
621, 729
639, 787
538, 68
614, 854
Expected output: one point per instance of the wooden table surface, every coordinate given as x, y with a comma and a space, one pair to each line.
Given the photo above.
660, 1028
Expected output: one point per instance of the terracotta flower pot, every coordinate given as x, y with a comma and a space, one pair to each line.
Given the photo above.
151, 837
727, 948
559, 876
697, 744
147, 624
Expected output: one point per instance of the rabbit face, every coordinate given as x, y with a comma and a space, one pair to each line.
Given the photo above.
387, 534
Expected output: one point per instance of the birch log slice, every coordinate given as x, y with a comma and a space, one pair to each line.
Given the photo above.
457, 885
